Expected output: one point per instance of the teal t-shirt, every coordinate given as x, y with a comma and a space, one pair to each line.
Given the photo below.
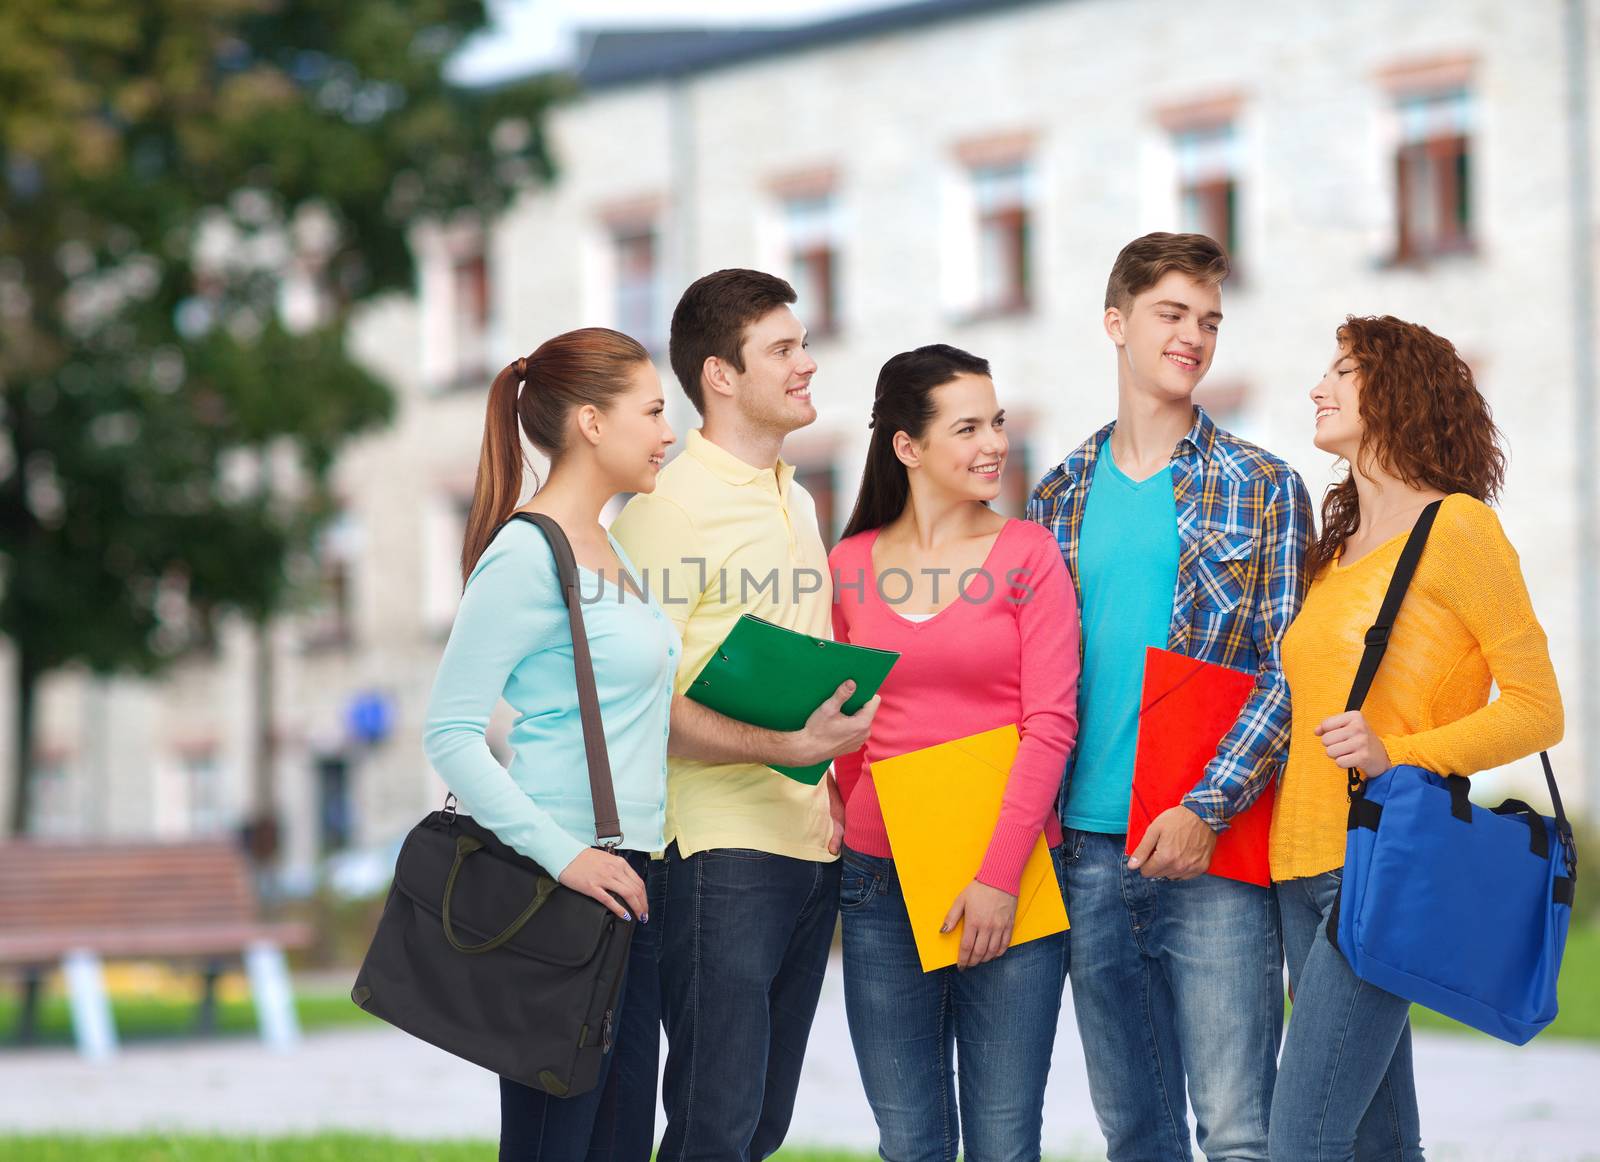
1127, 570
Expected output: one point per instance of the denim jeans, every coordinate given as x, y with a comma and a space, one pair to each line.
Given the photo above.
742, 959
614, 1121
1173, 981
910, 1028
1345, 1087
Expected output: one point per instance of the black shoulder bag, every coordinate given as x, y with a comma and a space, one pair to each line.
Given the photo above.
481, 952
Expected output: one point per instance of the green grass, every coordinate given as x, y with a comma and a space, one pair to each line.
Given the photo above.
1579, 1000
183, 1148
319, 1148
149, 1018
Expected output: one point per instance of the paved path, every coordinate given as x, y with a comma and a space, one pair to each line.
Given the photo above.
1480, 1100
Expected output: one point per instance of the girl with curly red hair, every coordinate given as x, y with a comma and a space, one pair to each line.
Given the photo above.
1398, 404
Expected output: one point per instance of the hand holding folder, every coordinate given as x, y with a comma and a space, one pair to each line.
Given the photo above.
1186, 709
940, 805
772, 677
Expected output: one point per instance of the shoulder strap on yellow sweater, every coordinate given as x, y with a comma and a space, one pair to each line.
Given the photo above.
1377, 638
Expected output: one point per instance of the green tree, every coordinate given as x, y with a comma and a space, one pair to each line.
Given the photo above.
164, 165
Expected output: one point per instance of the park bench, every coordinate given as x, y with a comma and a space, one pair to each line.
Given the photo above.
80, 904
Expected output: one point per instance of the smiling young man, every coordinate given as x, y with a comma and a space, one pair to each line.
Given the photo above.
750, 883
1179, 535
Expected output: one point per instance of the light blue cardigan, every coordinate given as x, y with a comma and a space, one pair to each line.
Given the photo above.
511, 638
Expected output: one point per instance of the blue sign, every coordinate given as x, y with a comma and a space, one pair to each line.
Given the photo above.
370, 716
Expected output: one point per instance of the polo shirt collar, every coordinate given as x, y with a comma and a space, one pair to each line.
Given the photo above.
728, 467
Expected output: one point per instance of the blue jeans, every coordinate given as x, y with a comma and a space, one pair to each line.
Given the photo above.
999, 1019
615, 1121
1173, 981
742, 959
1345, 1087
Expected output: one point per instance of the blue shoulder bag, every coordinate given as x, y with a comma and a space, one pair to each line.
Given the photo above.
1459, 908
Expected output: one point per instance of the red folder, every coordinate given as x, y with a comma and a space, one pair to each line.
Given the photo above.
1187, 706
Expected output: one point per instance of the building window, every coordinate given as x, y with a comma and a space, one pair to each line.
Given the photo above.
1433, 203
811, 234
470, 315
457, 310
444, 529
1000, 193
1226, 401
57, 813
819, 479
635, 252
1208, 183
202, 792
1016, 484
335, 807
184, 627
330, 619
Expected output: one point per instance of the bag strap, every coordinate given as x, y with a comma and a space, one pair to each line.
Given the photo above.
1377, 643
607, 827
1377, 639
1563, 826
546, 886
1377, 636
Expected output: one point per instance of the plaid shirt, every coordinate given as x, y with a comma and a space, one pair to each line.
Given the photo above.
1244, 521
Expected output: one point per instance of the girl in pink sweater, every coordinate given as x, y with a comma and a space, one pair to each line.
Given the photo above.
983, 614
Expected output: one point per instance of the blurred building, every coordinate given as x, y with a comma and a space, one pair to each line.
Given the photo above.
947, 171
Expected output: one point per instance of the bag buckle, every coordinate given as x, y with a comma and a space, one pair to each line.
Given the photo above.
448, 813
1377, 635
608, 843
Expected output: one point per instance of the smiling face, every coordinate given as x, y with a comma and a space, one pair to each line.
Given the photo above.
634, 434
773, 392
1337, 398
963, 451
1166, 336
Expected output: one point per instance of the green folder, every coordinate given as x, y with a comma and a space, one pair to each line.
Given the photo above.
775, 678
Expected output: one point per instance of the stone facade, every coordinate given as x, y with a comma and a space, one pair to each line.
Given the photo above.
966, 178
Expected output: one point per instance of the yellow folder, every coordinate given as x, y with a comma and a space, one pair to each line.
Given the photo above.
940, 805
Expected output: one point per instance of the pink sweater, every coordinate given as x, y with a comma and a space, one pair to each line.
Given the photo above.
978, 664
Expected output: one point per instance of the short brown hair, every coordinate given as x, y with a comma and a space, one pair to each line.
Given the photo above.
711, 317
1146, 261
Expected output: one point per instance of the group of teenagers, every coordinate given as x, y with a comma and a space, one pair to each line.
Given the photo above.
1162, 529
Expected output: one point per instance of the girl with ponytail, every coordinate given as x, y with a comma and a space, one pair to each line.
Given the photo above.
983, 616
591, 401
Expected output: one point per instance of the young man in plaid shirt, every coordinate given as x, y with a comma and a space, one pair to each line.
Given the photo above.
1182, 536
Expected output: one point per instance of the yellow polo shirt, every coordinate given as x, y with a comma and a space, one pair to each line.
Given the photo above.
717, 539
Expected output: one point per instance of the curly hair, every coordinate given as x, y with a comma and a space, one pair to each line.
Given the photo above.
1425, 422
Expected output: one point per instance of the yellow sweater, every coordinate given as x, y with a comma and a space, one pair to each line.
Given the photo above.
1465, 620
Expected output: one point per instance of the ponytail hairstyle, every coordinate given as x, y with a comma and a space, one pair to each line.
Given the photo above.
1424, 420
538, 394
903, 402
